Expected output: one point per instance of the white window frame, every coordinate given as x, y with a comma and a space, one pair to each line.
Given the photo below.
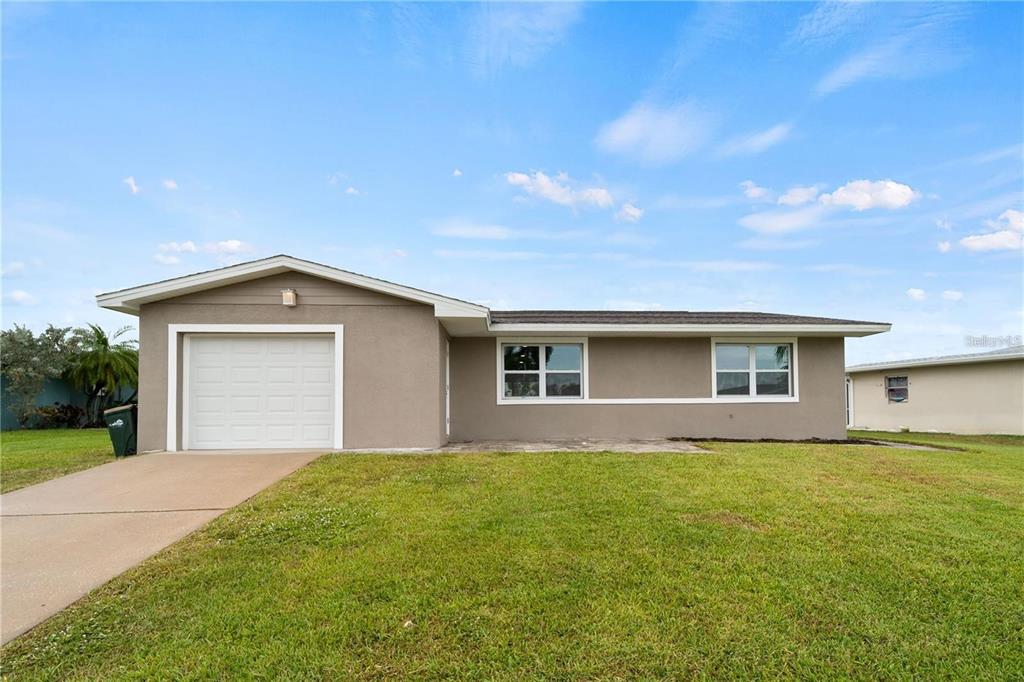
887, 388
794, 378
176, 330
542, 400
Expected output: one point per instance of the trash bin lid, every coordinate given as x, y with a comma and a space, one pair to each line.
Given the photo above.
121, 408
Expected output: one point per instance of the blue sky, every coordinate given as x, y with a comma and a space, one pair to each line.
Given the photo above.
841, 159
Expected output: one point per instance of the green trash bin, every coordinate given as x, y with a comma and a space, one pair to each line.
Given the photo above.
121, 427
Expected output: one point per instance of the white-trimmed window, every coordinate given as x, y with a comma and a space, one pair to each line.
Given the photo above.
897, 389
541, 371
754, 370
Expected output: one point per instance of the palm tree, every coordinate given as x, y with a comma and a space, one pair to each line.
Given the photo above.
103, 366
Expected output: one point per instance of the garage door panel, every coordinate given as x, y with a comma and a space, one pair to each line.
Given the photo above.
318, 347
316, 375
246, 405
313, 432
282, 375
261, 391
281, 403
316, 403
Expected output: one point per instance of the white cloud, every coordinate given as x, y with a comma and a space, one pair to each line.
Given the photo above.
462, 229
1008, 234
560, 190
917, 294
169, 184
756, 142
944, 246
168, 253
730, 266
132, 187
228, 246
1011, 219
722, 266
487, 255
1004, 240
798, 196
20, 297
783, 221
943, 224
828, 21
861, 195
629, 213
752, 190
457, 173
471, 231
920, 45
178, 247
351, 190
953, 295
336, 178
657, 135
13, 268
517, 35
166, 258
776, 244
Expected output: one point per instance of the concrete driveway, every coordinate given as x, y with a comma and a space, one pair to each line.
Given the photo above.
62, 538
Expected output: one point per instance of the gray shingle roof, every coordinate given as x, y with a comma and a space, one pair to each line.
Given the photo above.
655, 317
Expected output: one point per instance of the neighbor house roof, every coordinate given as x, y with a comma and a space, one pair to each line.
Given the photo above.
1000, 354
462, 318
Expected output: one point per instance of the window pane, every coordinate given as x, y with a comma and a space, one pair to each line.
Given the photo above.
773, 383
732, 357
733, 383
898, 395
522, 357
772, 357
522, 385
565, 356
896, 382
563, 384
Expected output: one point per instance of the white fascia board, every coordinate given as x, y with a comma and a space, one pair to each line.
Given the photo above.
691, 329
934, 362
129, 300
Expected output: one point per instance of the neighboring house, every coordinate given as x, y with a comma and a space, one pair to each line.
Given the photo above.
286, 353
975, 393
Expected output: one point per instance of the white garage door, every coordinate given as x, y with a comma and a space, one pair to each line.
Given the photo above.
260, 391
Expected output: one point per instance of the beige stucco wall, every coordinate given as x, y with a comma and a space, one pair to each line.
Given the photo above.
392, 366
971, 398
620, 368
650, 368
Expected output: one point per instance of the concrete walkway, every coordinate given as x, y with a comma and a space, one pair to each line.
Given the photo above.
63, 538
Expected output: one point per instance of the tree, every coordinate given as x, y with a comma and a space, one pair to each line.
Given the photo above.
102, 365
27, 361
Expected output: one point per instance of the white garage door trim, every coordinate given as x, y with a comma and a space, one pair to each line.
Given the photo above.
174, 331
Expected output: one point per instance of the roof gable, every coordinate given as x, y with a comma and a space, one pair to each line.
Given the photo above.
130, 300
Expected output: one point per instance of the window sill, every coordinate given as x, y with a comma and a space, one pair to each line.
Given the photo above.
724, 400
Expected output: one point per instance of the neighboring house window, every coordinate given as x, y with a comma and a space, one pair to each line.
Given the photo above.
897, 389
753, 369
551, 370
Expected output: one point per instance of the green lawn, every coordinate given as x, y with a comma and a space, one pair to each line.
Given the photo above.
754, 560
29, 457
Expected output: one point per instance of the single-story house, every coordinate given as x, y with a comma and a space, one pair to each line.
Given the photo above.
973, 393
287, 353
